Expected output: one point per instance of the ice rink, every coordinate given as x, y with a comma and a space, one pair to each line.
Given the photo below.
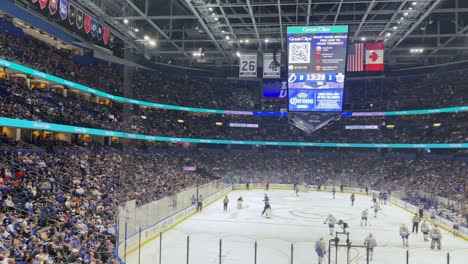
297, 221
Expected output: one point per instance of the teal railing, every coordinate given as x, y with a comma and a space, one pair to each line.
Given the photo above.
34, 125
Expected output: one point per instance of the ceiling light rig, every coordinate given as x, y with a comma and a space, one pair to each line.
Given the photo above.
417, 51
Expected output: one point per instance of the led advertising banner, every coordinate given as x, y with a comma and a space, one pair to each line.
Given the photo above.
316, 68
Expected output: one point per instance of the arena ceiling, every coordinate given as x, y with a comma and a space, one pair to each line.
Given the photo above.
418, 32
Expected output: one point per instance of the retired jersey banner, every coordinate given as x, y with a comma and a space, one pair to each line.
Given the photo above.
375, 56
94, 27
71, 14
105, 35
43, 3
270, 69
79, 18
53, 6
99, 32
248, 65
64, 9
87, 23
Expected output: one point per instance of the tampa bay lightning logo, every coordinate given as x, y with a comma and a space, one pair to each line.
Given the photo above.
292, 77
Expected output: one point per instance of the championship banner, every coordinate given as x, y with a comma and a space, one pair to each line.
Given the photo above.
43, 3
248, 65
79, 18
270, 69
53, 6
87, 23
64, 9
94, 27
71, 14
99, 32
375, 56
105, 37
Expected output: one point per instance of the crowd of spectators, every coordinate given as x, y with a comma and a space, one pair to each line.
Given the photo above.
142, 84
397, 93
17, 100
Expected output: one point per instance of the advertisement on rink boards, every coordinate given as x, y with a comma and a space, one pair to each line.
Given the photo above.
271, 70
248, 65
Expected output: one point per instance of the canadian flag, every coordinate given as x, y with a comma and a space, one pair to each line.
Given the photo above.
375, 56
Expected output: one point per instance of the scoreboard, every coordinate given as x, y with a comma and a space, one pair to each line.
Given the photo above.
316, 68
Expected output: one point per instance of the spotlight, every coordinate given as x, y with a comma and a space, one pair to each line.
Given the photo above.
125, 21
227, 38
146, 37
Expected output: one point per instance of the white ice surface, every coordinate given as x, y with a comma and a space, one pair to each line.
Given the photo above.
297, 220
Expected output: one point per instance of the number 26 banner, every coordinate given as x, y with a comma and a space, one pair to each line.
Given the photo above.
270, 68
248, 65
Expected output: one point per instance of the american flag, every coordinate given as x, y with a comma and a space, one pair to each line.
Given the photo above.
356, 57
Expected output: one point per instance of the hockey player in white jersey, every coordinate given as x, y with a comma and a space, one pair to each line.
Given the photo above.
333, 191
425, 230
457, 223
331, 220
376, 207
370, 243
240, 201
320, 249
365, 213
404, 233
436, 237
432, 212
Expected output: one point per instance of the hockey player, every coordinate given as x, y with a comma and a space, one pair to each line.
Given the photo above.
376, 207
457, 222
415, 221
239, 202
334, 191
268, 211
267, 186
404, 233
266, 208
374, 198
331, 220
385, 197
367, 190
353, 197
436, 237
364, 216
370, 244
380, 198
296, 189
225, 203
267, 204
320, 249
432, 213
425, 230
421, 210
199, 203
